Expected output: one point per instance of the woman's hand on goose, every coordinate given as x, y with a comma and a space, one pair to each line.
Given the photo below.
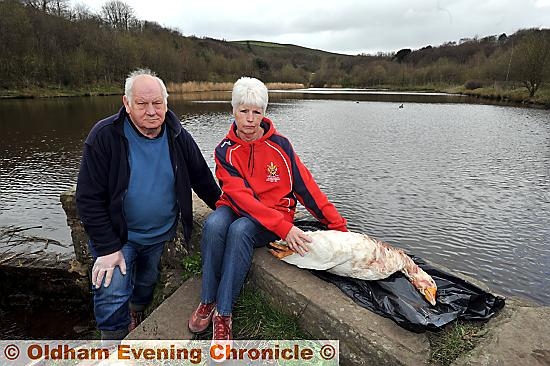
297, 240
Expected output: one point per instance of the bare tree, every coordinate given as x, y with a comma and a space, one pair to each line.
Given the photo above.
38, 4
80, 11
531, 59
57, 7
118, 14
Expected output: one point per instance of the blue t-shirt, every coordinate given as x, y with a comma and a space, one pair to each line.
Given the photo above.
150, 206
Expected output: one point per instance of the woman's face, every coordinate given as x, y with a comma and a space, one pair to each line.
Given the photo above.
248, 118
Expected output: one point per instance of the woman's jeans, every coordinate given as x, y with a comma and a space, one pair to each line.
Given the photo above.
112, 304
226, 246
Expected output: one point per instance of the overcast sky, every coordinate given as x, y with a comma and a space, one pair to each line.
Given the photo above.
343, 26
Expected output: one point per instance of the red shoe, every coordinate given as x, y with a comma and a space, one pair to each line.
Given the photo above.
201, 317
222, 336
136, 317
222, 328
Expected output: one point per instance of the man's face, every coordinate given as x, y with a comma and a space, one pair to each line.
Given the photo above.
147, 108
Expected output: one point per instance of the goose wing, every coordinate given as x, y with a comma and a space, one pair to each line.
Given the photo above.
326, 251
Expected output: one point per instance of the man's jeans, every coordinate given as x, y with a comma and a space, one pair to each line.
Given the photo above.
112, 304
226, 246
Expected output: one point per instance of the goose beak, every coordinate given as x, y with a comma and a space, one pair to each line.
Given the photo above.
430, 294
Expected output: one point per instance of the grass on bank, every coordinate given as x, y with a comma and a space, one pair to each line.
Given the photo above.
192, 265
55, 91
455, 340
517, 95
253, 316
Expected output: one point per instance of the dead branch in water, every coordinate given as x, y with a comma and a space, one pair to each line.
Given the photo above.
14, 229
10, 236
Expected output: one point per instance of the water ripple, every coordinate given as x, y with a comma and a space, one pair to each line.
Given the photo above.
466, 186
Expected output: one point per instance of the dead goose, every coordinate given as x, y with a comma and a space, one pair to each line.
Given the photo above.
356, 255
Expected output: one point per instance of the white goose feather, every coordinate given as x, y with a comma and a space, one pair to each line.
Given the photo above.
356, 255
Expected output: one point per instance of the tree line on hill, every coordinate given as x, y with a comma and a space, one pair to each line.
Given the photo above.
48, 42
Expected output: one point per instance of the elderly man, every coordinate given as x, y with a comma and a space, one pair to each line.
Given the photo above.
135, 179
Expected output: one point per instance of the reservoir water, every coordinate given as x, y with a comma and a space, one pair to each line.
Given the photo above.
462, 184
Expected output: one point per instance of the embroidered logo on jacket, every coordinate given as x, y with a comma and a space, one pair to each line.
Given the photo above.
272, 175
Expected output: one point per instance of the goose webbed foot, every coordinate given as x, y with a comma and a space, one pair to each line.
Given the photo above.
279, 250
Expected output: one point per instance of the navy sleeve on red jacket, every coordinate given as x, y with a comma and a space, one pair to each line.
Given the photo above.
308, 192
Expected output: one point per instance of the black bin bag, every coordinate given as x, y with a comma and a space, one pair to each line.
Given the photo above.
396, 298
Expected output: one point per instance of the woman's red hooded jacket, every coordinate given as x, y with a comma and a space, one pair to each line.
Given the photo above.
263, 180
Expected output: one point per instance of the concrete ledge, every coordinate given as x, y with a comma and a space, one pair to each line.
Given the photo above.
326, 313
518, 335
169, 320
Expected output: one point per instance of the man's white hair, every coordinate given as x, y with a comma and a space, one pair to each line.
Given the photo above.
249, 91
134, 75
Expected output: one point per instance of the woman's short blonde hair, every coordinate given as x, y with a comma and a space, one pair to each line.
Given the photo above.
249, 91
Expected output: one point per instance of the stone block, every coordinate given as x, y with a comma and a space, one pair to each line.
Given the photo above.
174, 251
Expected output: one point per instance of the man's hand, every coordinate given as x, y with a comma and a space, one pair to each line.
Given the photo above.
296, 240
104, 267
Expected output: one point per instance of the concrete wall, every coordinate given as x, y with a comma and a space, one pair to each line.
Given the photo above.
174, 251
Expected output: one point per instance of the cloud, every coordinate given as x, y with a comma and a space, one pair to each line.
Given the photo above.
345, 26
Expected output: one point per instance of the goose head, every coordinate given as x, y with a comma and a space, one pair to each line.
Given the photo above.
422, 281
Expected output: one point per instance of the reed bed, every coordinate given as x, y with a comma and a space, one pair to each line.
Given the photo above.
284, 86
197, 86
202, 86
